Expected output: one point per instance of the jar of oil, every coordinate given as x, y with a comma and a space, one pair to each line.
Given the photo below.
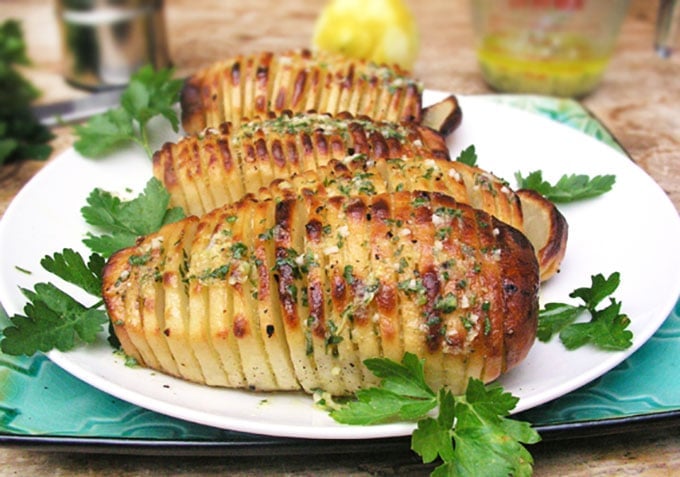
552, 47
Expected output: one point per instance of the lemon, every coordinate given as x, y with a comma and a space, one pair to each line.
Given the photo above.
383, 31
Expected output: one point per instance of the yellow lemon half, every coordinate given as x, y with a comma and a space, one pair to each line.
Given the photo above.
383, 31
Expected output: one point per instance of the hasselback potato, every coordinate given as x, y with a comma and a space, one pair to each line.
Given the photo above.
251, 86
223, 164
294, 291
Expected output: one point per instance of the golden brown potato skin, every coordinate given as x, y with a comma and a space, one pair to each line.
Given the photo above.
223, 164
294, 291
251, 86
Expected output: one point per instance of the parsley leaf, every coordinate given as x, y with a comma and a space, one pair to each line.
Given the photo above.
70, 266
104, 132
151, 93
468, 156
148, 94
569, 188
470, 434
125, 221
486, 442
403, 395
52, 320
607, 328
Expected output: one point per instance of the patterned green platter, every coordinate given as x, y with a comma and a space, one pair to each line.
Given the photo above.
43, 406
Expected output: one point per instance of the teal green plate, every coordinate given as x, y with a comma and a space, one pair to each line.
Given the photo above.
42, 406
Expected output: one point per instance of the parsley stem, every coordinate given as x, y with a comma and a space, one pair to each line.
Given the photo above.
144, 142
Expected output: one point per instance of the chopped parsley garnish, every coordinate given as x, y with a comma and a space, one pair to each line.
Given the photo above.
447, 304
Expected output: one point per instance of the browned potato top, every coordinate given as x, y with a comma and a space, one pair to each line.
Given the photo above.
251, 86
296, 290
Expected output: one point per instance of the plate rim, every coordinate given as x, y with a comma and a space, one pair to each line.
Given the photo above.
402, 428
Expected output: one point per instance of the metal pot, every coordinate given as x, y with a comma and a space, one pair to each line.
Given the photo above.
105, 41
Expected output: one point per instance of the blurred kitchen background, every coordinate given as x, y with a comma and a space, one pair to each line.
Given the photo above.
635, 104
201, 31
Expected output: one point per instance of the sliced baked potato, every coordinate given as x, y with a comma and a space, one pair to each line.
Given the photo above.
251, 86
222, 164
295, 291
350, 154
248, 87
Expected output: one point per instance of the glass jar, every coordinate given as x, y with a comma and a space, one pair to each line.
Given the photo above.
105, 41
553, 47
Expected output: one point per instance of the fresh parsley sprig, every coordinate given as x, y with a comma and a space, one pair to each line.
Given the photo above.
149, 93
121, 222
569, 188
52, 319
470, 434
607, 328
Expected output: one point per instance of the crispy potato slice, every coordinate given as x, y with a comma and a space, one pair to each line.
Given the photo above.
426, 241
114, 290
382, 255
444, 116
546, 228
200, 334
134, 326
408, 284
177, 244
272, 329
288, 241
361, 281
213, 268
152, 304
334, 350
254, 359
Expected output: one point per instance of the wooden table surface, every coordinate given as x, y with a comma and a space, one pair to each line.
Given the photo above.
638, 101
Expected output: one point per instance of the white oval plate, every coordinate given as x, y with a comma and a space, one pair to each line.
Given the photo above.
634, 229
